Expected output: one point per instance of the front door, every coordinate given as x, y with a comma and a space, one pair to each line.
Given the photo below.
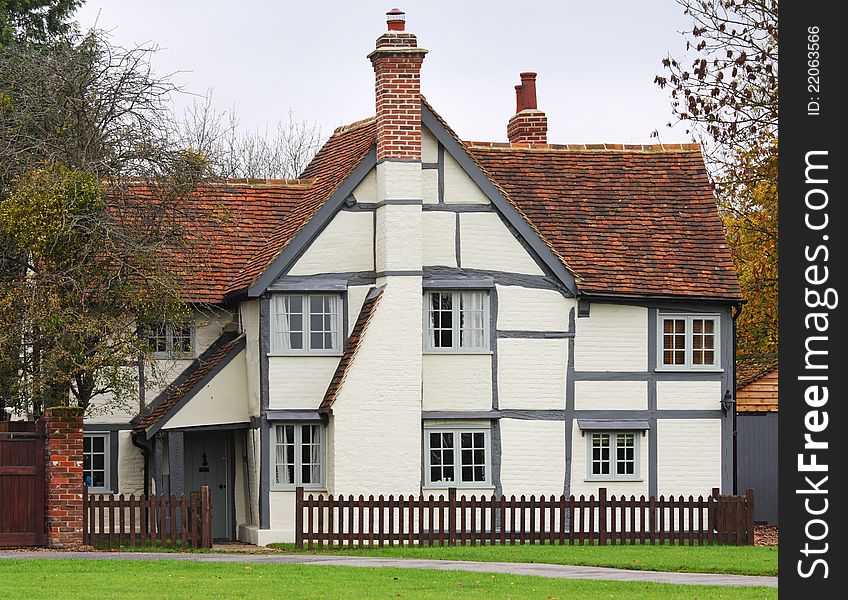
207, 462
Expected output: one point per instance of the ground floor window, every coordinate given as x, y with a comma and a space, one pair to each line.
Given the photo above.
298, 455
613, 455
95, 461
457, 456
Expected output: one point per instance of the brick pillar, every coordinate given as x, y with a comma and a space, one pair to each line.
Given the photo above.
63, 473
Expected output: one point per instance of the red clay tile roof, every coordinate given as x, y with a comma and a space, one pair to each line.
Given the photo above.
751, 367
353, 343
228, 345
628, 220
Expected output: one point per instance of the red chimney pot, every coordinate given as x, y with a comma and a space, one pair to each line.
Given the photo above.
518, 99
528, 90
396, 20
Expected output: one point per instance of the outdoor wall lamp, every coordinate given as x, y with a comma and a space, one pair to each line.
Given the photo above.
727, 401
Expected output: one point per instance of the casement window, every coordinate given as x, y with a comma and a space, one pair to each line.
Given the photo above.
688, 342
96, 462
306, 324
457, 456
456, 321
171, 339
298, 455
613, 455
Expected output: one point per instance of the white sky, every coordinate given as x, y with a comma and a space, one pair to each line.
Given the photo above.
596, 60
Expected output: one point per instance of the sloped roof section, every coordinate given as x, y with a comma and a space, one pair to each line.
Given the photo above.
757, 383
190, 381
627, 220
751, 367
369, 307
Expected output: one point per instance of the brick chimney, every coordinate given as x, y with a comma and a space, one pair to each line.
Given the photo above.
397, 66
528, 125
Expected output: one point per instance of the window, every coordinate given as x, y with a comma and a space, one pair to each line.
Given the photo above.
613, 455
306, 324
95, 461
456, 321
298, 450
166, 339
688, 342
457, 456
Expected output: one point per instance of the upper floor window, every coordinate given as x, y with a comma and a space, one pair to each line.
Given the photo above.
456, 321
168, 339
688, 342
306, 324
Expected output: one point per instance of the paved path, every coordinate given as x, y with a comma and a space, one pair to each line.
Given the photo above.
538, 569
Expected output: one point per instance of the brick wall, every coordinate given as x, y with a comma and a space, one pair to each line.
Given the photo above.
63, 473
528, 127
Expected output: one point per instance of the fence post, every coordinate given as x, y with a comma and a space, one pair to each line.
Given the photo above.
602, 516
205, 517
298, 518
749, 513
452, 516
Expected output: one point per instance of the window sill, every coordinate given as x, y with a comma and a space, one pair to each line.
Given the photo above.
619, 480
309, 490
457, 352
302, 354
464, 486
690, 371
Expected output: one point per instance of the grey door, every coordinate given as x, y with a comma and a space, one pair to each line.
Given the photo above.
207, 462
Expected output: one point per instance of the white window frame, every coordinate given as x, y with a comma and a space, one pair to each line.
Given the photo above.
431, 348
338, 306
689, 347
298, 463
613, 474
107, 461
169, 339
457, 430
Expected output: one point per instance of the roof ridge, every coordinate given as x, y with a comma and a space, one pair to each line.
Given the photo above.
308, 181
604, 147
354, 125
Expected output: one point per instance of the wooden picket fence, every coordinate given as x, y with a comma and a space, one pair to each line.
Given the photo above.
419, 520
177, 522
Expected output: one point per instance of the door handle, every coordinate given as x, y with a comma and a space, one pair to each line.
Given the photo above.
221, 486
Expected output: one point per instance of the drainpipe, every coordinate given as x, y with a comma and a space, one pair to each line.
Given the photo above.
737, 310
145, 452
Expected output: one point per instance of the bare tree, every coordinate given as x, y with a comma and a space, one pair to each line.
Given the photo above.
281, 153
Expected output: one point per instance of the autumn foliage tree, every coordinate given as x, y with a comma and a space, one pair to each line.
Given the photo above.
724, 91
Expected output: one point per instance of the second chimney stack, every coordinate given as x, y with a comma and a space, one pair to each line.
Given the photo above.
528, 125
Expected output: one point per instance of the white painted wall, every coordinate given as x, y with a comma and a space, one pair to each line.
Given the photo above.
438, 238
366, 191
345, 244
240, 489
533, 458
531, 373
281, 505
250, 326
130, 465
355, 297
399, 237
377, 414
299, 382
611, 395
689, 456
457, 382
222, 400
689, 395
488, 244
398, 181
430, 186
528, 309
579, 469
459, 188
429, 146
613, 338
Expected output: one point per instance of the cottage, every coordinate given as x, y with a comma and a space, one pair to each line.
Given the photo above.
418, 312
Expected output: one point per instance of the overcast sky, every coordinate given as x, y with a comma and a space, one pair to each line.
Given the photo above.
596, 60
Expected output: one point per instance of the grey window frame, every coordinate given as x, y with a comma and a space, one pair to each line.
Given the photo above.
298, 463
457, 430
169, 353
688, 348
613, 475
107, 460
307, 350
430, 348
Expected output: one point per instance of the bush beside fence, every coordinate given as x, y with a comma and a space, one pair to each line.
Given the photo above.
176, 522
419, 520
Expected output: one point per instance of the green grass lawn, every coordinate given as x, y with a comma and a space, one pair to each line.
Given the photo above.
738, 560
69, 579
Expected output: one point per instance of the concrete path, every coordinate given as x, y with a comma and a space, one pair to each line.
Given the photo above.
537, 569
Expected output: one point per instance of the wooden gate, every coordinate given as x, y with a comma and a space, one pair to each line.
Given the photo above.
22, 486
